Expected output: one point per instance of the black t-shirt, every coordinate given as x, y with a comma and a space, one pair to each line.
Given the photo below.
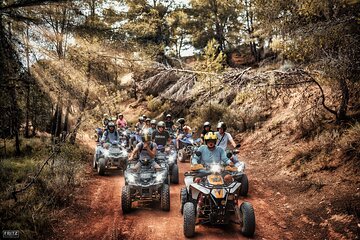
169, 124
160, 138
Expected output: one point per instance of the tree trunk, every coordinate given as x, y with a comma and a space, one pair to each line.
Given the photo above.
341, 113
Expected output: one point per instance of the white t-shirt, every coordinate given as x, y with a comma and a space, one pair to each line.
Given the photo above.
224, 140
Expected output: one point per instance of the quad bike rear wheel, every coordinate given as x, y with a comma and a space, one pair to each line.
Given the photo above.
182, 155
189, 219
175, 174
165, 198
247, 220
101, 167
183, 199
244, 188
126, 199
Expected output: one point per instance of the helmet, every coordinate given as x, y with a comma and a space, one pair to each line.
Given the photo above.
153, 122
168, 116
148, 120
106, 115
120, 114
144, 116
111, 124
181, 121
221, 125
210, 136
146, 136
207, 124
141, 119
187, 128
161, 124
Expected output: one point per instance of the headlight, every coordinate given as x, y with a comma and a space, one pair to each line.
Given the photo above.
106, 153
130, 178
160, 177
215, 168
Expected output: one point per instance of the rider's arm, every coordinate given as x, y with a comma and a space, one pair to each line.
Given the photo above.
223, 156
103, 138
151, 152
231, 140
134, 152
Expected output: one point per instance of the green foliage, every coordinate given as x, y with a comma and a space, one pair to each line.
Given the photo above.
34, 212
213, 59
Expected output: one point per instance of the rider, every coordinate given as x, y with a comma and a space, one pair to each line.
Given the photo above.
106, 120
179, 131
147, 124
210, 153
121, 122
153, 126
110, 135
161, 136
169, 123
224, 138
145, 149
206, 129
139, 125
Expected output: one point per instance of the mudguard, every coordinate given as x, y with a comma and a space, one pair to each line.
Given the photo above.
196, 189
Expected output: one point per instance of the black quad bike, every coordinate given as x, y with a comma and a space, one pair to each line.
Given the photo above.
146, 184
214, 199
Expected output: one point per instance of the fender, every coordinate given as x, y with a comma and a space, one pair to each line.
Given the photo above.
198, 189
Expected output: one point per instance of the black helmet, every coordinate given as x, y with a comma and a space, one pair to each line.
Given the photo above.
181, 121
207, 124
161, 124
153, 122
221, 125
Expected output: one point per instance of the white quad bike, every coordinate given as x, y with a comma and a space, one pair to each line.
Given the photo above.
214, 199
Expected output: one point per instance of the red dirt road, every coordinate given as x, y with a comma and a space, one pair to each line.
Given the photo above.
97, 213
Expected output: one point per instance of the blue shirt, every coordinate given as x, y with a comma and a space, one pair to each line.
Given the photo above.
217, 155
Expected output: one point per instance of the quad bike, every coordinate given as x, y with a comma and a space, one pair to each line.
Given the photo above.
187, 147
213, 198
169, 156
146, 184
108, 156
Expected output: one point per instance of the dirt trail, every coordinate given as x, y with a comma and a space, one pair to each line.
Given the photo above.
97, 213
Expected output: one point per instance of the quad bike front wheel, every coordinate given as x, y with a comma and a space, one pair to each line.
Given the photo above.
165, 198
101, 167
175, 174
247, 219
189, 219
244, 188
126, 199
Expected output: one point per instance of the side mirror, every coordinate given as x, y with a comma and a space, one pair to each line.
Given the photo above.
238, 145
198, 153
229, 155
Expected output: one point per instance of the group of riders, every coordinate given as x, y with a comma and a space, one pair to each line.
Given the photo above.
154, 134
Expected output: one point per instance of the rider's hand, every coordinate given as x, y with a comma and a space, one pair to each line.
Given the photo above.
197, 180
231, 164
